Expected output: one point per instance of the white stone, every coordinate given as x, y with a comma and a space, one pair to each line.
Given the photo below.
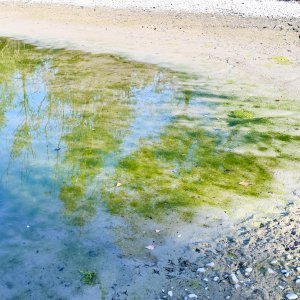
233, 279
201, 270
273, 262
271, 271
216, 278
170, 293
211, 264
291, 296
248, 271
192, 296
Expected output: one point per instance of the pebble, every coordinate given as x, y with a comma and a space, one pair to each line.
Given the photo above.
205, 279
297, 281
233, 279
298, 269
201, 270
248, 271
284, 271
291, 296
170, 293
192, 296
273, 262
211, 264
271, 271
289, 257
216, 278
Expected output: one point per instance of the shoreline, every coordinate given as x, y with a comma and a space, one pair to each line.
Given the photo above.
219, 47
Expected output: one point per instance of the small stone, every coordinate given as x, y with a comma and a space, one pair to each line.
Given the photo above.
273, 262
216, 278
170, 293
271, 271
297, 281
211, 264
150, 247
248, 271
205, 279
291, 296
201, 270
283, 271
227, 297
233, 279
288, 257
298, 269
192, 296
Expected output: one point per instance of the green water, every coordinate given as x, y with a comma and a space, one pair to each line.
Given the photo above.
91, 141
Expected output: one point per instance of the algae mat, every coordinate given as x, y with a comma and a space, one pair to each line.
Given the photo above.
94, 146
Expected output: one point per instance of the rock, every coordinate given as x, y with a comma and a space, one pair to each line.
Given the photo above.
150, 247
284, 271
297, 281
271, 271
233, 279
201, 270
248, 271
170, 293
205, 279
288, 257
216, 278
273, 262
298, 269
291, 296
192, 296
211, 264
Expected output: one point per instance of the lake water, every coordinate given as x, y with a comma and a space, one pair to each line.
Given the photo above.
97, 151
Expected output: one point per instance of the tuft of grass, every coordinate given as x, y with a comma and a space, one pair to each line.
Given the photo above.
88, 277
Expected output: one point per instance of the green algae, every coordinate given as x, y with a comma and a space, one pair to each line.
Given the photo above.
88, 277
281, 60
186, 168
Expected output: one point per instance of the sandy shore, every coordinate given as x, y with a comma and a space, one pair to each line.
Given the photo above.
209, 45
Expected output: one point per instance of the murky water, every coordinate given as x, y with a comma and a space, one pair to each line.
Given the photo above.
96, 149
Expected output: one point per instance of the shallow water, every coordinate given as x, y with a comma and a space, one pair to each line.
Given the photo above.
94, 146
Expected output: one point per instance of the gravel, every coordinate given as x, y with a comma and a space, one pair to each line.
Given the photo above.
254, 8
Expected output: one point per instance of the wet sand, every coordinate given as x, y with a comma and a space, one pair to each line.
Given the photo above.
208, 45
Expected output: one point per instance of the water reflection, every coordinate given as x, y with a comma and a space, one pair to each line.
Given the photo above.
75, 114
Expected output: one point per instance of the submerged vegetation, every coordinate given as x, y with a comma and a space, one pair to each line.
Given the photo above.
98, 120
88, 277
